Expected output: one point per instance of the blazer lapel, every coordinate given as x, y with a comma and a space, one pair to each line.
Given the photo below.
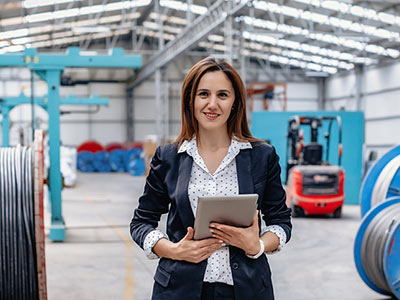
245, 178
182, 197
245, 181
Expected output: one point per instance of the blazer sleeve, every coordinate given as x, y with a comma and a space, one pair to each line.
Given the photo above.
153, 203
273, 205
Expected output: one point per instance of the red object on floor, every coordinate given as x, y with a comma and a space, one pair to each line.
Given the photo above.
130, 145
90, 146
113, 146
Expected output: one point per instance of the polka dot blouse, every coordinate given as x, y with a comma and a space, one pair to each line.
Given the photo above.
223, 182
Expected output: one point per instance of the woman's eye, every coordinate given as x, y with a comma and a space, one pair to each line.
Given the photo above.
223, 95
203, 94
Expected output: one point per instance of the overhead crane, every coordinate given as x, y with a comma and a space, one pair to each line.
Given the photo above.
49, 67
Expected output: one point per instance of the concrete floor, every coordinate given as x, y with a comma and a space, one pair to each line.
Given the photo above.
99, 261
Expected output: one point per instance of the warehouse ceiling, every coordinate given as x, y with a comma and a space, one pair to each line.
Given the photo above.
317, 36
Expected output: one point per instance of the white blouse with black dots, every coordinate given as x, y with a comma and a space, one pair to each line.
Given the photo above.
222, 183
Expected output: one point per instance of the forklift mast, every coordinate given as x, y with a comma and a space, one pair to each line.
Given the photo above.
311, 153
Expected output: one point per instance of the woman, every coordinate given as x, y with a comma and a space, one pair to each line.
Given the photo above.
215, 154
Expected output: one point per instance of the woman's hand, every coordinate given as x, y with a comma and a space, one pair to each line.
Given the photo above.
195, 251
246, 239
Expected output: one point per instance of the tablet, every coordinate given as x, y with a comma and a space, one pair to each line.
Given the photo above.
236, 210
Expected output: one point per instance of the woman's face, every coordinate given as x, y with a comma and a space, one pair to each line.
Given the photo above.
213, 101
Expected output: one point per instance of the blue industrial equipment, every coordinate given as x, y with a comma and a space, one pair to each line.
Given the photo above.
85, 161
273, 126
49, 67
382, 180
117, 160
377, 248
102, 161
8, 103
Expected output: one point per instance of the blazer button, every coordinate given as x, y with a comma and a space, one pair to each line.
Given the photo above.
235, 266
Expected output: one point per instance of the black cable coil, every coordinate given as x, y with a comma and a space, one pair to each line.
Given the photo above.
18, 260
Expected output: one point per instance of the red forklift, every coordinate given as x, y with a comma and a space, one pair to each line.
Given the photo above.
313, 185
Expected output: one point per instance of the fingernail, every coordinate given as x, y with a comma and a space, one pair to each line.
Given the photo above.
212, 231
223, 245
220, 241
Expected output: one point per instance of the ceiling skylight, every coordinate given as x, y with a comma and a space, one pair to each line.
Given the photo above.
37, 3
354, 10
178, 5
327, 20
328, 38
86, 10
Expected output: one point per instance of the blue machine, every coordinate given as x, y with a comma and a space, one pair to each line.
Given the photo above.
49, 67
273, 126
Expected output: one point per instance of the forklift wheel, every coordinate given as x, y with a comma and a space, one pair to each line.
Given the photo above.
337, 213
297, 211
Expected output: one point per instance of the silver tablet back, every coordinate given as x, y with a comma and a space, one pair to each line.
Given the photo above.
237, 210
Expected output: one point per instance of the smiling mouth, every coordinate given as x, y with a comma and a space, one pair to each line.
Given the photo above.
211, 116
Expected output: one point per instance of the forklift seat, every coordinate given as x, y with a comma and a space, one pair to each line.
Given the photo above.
312, 154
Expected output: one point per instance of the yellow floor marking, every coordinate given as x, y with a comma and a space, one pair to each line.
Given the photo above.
128, 291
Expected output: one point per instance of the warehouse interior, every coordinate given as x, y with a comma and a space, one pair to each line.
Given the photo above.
90, 89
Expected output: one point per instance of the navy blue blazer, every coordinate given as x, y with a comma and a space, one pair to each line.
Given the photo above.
166, 191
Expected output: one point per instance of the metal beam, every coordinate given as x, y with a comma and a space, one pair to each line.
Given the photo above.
201, 27
38, 61
145, 13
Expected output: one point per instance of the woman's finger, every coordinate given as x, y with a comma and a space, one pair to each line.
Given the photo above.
220, 234
229, 230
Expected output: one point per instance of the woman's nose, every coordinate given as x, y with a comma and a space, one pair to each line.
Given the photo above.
212, 103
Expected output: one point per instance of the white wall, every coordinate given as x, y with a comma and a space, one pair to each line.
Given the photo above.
380, 93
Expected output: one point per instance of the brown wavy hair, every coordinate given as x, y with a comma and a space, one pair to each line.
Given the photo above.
237, 121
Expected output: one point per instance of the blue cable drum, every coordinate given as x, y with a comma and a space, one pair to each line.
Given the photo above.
377, 248
391, 265
382, 180
117, 160
85, 161
133, 162
102, 161
131, 154
136, 167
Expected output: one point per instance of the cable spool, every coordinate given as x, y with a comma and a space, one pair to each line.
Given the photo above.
382, 181
102, 161
377, 248
117, 160
136, 167
85, 161
134, 164
22, 263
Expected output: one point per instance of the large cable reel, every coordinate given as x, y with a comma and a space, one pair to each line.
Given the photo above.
377, 243
22, 238
382, 181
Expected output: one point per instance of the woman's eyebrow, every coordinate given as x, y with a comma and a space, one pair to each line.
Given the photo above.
226, 91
